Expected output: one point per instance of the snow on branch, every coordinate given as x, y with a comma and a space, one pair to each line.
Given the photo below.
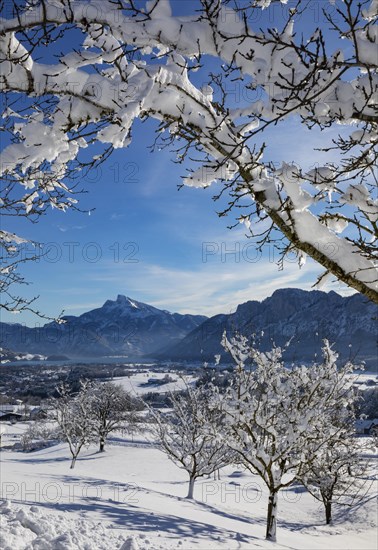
139, 60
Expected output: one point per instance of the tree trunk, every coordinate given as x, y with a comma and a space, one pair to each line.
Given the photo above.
73, 462
328, 511
191, 487
102, 445
271, 522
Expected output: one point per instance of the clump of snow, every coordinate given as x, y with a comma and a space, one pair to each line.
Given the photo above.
371, 12
130, 544
27, 528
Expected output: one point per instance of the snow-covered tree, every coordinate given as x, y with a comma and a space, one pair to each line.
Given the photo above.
72, 415
277, 418
338, 473
111, 408
185, 434
39, 434
219, 77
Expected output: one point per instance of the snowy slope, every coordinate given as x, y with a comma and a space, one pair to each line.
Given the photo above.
131, 497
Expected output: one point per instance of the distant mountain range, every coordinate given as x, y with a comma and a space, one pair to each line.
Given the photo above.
128, 327
301, 317
120, 327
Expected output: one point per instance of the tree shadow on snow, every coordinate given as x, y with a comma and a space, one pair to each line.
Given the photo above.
350, 513
133, 518
43, 460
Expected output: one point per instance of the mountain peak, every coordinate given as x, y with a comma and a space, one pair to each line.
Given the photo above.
121, 326
125, 300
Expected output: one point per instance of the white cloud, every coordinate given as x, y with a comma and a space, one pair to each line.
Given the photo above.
64, 228
216, 287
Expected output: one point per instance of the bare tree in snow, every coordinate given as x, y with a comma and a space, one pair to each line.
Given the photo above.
72, 415
139, 60
111, 408
339, 474
39, 434
185, 434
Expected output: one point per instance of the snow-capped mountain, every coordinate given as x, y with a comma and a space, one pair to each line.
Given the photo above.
128, 327
305, 318
123, 326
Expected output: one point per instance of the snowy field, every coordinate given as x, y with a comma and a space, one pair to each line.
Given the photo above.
366, 379
132, 497
142, 382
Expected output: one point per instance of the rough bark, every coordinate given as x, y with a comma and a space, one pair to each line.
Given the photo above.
271, 523
328, 510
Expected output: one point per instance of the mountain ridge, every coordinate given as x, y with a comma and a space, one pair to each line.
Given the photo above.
122, 326
305, 318
128, 327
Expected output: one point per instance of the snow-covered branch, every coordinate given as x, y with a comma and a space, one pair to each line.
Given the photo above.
137, 62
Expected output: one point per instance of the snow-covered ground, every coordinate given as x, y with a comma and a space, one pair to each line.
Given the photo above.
365, 380
139, 383
132, 497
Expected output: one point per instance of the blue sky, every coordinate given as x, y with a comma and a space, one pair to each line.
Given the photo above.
154, 243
